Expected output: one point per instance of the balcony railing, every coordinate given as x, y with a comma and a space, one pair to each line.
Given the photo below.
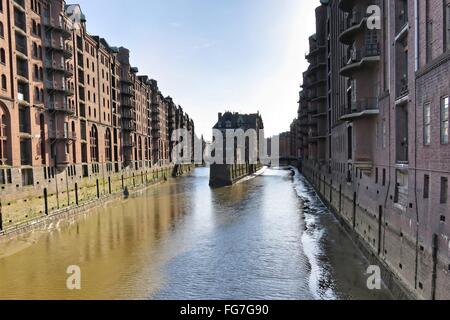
58, 66
357, 57
360, 108
62, 87
22, 48
127, 114
128, 125
60, 46
402, 87
62, 135
352, 25
127, 90
127, 103
61, 107
57, 25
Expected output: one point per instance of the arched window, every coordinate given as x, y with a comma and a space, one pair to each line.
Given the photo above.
4, 135
108, 154
94, 144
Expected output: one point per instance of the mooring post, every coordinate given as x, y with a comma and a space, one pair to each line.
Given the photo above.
76, 193
46, 201
1, 218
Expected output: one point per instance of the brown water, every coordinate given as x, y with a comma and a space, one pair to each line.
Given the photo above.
183, 240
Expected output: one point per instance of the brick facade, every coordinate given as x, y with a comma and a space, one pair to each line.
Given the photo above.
71, 106
386, 166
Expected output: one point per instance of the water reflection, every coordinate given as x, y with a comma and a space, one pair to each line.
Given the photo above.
179, 240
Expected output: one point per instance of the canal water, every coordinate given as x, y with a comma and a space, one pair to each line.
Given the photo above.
268, 237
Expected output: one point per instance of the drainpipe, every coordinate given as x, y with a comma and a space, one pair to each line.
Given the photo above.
416, 67
416, 34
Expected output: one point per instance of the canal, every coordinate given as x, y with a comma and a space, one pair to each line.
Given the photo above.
268, 237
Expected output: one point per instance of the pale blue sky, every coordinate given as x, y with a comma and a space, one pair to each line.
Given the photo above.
214, 55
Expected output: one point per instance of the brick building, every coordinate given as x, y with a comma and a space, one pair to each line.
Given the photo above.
72, 106
374, 139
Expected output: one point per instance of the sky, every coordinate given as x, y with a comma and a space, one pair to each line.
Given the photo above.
214, 56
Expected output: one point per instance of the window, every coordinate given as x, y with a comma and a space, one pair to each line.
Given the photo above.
108, 145
35, 50
427, 124
93, 141
2, 30
4, 139
426, 186
2, 56
4, 82
444, 190
444, 120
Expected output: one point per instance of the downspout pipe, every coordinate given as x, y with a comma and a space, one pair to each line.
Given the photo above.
416, 67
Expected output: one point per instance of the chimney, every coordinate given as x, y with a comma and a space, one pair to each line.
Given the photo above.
220, 115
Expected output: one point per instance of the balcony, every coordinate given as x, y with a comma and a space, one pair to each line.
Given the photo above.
361, 58
66, 50
402, 89
355, 23
129, 144
316, 135
312, 122
62, 135
127, 103
127, 81
361, 108
20, 24
59, 87
314, 51
58, 67
57, 25
127, 114
128, 125
312, 109
61, 107
21, 50
127, 91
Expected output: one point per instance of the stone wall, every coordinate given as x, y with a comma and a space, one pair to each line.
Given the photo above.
226, 175
69, 193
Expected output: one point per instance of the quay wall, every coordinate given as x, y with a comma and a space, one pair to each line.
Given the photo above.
410, 268
34, 207
222, 175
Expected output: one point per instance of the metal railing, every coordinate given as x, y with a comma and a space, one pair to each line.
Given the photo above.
362, 105
356, 55
62, 135
58, 106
